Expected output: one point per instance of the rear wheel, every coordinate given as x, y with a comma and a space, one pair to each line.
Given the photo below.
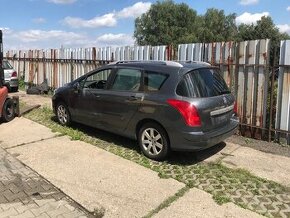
8, 111
153, 141
63, 115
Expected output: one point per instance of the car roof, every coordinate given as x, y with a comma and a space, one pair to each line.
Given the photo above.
177, 65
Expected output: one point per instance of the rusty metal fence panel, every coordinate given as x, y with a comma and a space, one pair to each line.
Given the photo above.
283, 96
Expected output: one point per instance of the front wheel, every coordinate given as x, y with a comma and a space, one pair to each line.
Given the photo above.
153, 141
63, 115
8, 111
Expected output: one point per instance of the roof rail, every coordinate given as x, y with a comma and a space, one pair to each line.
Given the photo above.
168, 63
198, 62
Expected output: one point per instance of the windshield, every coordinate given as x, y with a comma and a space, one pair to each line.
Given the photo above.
6, 65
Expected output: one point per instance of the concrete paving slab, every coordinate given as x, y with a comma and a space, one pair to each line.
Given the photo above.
197, 203
97, 179
21, 131
265, 165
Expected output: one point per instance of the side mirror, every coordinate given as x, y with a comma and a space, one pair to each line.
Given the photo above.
77, 87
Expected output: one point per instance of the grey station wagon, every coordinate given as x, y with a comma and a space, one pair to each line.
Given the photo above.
164, 105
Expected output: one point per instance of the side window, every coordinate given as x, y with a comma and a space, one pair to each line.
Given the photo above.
127, 79
153, 81
97, 80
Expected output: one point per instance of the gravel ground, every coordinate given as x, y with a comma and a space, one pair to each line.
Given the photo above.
268, 147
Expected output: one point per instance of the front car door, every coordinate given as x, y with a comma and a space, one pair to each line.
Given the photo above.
88, 97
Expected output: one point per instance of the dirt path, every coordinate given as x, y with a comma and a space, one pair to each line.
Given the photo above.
44, 101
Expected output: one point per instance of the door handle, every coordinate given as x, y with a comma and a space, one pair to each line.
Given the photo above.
136, 97
133, 98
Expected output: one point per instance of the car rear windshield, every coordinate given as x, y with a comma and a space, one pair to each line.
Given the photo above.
205, 82
6, 65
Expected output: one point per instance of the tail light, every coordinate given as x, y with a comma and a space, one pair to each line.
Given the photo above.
14, 74
187, 110
236, 108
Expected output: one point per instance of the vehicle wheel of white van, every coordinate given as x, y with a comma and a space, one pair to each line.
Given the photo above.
153, 141
63, 115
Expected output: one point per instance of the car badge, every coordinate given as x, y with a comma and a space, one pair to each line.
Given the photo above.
225, 100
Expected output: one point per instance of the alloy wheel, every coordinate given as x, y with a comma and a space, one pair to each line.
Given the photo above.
152, 141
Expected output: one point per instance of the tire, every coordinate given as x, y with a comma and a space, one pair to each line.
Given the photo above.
8, 110
153, 141
63, 114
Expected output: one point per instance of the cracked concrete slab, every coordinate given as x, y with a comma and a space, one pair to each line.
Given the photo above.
21, 131
97, 179
265, 165
197, 203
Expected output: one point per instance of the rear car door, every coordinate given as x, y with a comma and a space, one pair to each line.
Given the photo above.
123, 99
207, 91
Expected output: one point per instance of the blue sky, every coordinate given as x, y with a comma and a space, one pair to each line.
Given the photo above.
41, 24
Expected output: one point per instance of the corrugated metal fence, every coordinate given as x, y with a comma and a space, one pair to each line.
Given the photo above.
244, 65
283, 95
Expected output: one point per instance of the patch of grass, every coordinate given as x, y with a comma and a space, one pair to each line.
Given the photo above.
221, 199
168, 202
99, 213
248, 141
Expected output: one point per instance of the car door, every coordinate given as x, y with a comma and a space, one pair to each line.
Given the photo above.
123, 99
88, 96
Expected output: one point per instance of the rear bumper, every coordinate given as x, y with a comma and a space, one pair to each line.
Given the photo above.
194, 141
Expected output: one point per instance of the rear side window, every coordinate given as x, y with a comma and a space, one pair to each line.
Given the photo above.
200, 83
127, 80
153, 81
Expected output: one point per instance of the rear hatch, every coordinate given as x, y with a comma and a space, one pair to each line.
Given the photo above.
8, 74
207, 91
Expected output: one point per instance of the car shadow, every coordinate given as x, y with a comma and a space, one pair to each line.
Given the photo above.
175, 158
194, 157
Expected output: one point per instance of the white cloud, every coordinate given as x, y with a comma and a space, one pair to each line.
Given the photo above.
284, 28
110, 19
40, 35
62, 1
135, 10
39, 20
288, 8
6, 30
107, 20
249, 2
115, 39
40, 39
248, 18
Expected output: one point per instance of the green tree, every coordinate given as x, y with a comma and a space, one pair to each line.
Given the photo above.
263, 29
215, 26
166, 23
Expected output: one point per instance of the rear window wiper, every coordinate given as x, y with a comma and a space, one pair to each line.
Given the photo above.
225, 92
